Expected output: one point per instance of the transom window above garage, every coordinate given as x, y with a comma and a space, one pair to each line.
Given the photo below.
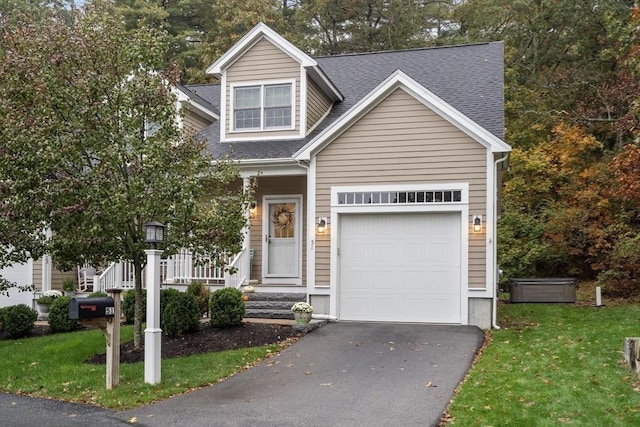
262, 106
399, 197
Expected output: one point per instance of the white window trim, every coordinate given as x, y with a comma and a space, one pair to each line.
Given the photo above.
262, 84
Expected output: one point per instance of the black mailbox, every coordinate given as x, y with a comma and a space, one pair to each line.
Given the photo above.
91, 308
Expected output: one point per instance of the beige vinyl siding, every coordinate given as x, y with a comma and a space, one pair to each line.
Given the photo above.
261, 63
194, 123
401, 141
37, 273
317, 104
58, 276
276, 186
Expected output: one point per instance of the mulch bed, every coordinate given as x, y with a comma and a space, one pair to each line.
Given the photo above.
208, 339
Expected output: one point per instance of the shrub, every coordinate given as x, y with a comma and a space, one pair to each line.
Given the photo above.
180, 314
59, 316
3, 311
68, 284
129, 305
226, 308
19, 320
98, 294
202, 295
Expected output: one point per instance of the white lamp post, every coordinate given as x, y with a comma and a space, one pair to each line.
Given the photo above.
154, 234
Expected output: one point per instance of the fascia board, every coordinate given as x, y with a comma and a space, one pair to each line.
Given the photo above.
249, 39
201, 109
398, 79
321, 79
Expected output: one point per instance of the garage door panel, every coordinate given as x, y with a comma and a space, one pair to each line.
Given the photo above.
400, 267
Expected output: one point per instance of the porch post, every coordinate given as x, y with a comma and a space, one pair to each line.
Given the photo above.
245, 268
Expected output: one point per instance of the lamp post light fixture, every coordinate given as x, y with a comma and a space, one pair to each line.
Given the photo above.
154, 234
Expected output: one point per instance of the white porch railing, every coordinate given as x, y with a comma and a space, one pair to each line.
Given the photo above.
181, 268
184, 267
117, 275
238, 266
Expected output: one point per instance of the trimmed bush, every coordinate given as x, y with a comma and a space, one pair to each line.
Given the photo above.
202, 295
180, 314
226, 308
19, 320
59, 316
129, 305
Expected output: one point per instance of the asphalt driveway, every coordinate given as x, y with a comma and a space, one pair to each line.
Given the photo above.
343, 374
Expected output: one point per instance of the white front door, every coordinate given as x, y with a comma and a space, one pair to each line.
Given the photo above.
282, 244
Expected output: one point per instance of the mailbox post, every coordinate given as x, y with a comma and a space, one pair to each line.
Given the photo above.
103, 313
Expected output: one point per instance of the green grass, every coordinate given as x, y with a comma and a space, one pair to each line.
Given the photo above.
551, 365
52, 366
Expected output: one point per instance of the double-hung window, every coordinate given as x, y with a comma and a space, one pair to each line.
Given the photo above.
259, 107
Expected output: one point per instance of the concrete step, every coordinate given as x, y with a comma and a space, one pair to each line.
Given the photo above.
272, 305
269, 305
277, 296
268, 314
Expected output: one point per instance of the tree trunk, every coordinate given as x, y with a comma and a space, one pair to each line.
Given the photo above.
139, 312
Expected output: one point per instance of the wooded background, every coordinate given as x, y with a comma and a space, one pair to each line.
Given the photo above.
571, 200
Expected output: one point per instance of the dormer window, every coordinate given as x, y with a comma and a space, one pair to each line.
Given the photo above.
262, 107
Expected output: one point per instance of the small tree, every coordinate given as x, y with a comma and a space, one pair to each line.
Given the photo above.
92, 150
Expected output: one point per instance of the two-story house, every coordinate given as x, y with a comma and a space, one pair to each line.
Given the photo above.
377, 174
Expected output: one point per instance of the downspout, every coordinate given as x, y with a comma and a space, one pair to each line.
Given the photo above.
494, 314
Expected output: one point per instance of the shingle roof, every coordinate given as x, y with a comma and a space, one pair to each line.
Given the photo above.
468, 77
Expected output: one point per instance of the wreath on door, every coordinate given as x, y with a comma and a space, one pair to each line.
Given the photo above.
282, 217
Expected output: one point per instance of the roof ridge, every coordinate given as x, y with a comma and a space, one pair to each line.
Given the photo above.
415, 49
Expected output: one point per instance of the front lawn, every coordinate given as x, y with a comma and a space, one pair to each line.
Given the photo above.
551, 365
52, 366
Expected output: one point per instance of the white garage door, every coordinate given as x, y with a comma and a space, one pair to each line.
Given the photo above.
400, 267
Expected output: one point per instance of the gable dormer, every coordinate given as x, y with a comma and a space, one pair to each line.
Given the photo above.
270, 89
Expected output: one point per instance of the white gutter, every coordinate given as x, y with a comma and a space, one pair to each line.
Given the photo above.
494, 314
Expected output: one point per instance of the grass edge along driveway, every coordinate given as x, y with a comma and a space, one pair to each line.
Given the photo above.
52, 366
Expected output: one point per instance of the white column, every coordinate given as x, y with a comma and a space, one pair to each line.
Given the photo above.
153, 333
246, 244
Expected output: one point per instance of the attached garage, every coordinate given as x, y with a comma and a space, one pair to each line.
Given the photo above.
400, 267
